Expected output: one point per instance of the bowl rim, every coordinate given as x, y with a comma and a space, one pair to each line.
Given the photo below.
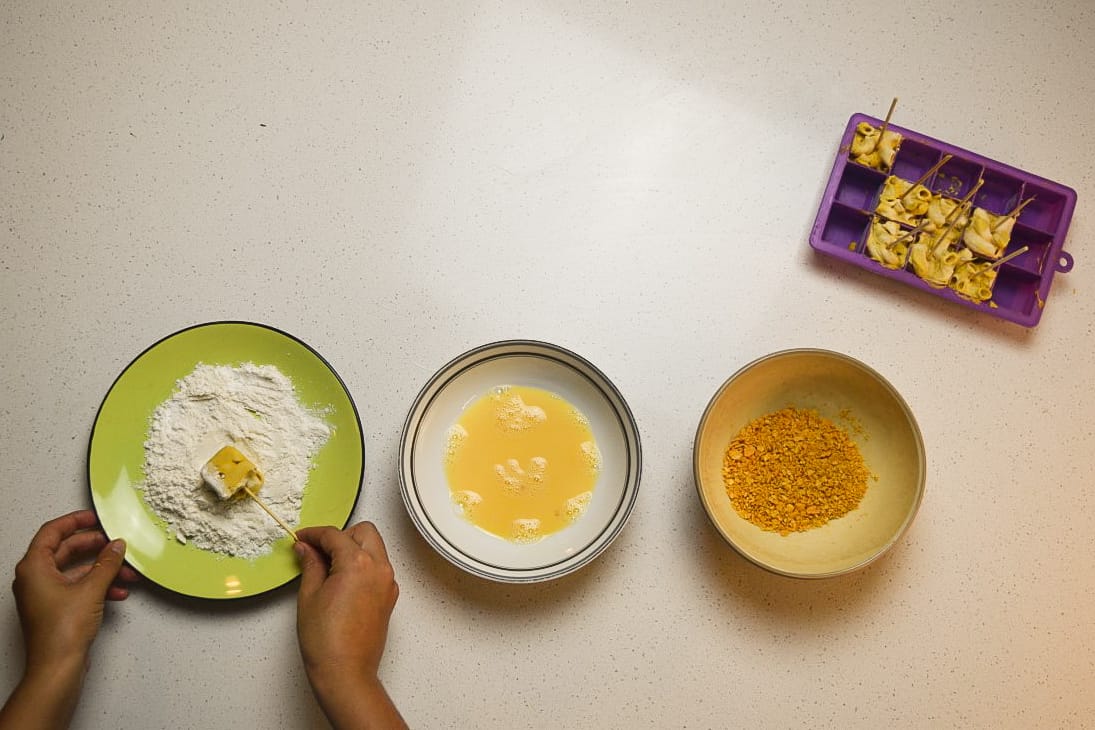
914, 508
629, 429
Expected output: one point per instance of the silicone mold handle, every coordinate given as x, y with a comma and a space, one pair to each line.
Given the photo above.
1064, 262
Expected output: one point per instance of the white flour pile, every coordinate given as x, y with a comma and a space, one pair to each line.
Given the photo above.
253, 407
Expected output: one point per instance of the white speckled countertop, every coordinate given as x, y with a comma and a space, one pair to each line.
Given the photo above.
397, 183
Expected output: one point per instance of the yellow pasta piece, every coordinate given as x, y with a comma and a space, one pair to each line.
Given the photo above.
871, 148
882, 245
974, 281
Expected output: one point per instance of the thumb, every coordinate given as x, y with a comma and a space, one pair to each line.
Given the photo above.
313, 568
107, 565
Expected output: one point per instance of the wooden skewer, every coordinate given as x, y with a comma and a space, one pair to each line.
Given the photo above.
885, 123
1009, 257
1015, 213
270, 512
941, 242
931, 171
973, 190
909, 233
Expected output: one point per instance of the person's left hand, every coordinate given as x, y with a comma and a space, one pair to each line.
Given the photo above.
60, 587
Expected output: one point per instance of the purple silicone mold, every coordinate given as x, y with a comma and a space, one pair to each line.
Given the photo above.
1022, 284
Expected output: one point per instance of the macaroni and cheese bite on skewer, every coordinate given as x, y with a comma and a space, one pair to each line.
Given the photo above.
974, 280
874, 148
903, 201
886, 244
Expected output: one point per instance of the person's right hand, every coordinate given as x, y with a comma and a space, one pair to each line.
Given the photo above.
347, 593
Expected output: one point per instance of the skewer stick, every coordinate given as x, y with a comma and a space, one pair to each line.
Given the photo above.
885, 123
270, 512
1009, 257
973, 191
1015, 213
941, 242
931, 171
909, 233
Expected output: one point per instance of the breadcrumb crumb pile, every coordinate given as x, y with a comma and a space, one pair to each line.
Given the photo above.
794, 470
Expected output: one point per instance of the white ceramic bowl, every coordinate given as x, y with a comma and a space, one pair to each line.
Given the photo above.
425, 487
890, 443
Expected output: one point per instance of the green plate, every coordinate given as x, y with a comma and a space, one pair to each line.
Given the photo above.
116, 456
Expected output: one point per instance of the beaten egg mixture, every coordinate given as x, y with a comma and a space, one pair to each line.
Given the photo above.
521, 463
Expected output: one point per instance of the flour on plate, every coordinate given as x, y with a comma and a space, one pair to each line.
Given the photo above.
253, 407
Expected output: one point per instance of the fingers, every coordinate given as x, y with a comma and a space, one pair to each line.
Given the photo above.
362, 533
117, 593
118, 590
324, 551
310, 535
328, 540
128, 575
104, 571
80, 546
313, 566
76, 573
52, 534
368, 538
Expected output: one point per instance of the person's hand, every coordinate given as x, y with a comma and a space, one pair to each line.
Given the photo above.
61, 584
347, 593
60, 587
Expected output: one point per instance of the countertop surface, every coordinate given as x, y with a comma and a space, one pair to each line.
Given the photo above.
396, 183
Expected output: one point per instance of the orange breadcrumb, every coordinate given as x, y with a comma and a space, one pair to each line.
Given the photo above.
794, 470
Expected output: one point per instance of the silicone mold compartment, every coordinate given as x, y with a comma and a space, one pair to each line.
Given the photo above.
1022, 283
